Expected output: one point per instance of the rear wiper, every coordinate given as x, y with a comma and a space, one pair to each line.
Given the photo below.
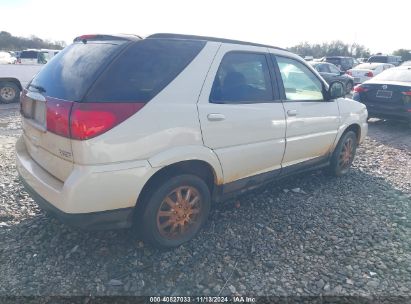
38, 88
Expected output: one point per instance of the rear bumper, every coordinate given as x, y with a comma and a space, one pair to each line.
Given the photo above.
95, 197
398, 115
111, 219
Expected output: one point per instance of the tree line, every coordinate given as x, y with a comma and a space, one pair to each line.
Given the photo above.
8, 42
339, 48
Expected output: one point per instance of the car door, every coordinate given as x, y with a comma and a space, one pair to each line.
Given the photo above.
241, 115
312, 122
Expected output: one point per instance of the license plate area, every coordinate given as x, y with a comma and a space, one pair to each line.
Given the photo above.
384, 94
357, 79
34, 110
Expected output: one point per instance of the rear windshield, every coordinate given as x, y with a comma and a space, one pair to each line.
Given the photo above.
403, 75
367, 66
72, 71
143, 70
334, 60
382, 59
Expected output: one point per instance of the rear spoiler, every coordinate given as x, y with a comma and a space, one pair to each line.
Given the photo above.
100, 37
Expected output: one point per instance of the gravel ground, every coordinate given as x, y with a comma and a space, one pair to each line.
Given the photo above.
311, 235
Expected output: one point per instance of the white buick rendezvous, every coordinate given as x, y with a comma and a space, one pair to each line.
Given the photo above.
120, 130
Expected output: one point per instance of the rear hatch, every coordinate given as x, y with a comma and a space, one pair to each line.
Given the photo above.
47, 102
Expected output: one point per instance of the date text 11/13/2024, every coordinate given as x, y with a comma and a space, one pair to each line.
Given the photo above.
202, 299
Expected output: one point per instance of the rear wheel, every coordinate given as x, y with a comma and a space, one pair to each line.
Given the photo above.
176, 211
344, 153
9, 92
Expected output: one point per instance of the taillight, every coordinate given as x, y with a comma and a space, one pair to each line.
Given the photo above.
58, 116
408, 93
369, 74
348, 73
91, 119
360, 89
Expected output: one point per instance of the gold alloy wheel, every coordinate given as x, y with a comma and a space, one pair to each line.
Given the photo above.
179, 212
347, 154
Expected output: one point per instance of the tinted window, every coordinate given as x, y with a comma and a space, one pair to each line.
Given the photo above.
299, 82
143, 70
29, 54
336, 61
74, 69
382, 59
242, 77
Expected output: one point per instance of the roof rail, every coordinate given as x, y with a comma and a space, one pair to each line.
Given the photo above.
206, 38
106, 37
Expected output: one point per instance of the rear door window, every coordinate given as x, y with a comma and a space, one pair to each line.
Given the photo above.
242, 78
143, 70
333, 69
323, 68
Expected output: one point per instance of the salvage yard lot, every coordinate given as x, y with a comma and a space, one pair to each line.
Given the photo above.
307, 235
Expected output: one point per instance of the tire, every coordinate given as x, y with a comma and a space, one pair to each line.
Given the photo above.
165, 226
348, 87
343, 154
9, 92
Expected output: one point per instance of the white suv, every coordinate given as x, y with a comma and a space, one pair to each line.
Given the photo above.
121, 130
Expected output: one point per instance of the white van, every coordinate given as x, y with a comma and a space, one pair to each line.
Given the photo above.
34, 56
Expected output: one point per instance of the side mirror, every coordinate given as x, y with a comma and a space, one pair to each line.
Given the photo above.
336, 90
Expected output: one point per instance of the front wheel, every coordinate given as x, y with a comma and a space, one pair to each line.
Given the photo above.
176, 211
344, 153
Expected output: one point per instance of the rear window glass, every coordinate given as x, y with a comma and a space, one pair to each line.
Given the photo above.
334, 60
382, 59
75, 68
367, 66
403, 75
143, 70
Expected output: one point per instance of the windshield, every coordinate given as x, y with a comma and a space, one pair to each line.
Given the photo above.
403, 75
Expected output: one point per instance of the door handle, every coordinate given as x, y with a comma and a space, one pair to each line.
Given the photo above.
292, 112
215, 117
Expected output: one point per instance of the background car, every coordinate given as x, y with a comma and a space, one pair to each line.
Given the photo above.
331, 74
406, 63
395, 60
7, 58
366, 71
343, 63
388, 95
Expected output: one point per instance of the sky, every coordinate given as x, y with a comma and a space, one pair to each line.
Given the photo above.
380, 27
